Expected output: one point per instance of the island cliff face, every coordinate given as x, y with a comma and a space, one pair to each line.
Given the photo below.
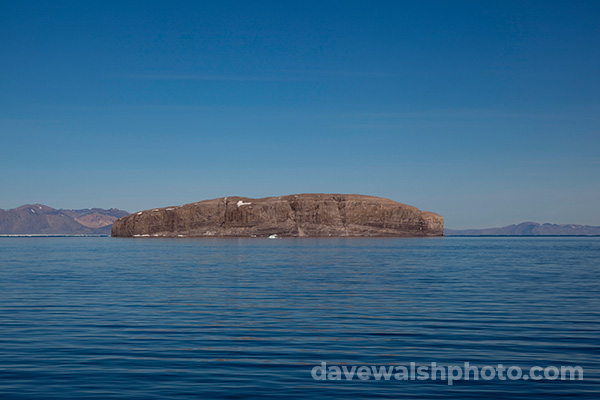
312, 215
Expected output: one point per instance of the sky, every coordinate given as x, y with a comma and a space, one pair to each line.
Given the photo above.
486, 112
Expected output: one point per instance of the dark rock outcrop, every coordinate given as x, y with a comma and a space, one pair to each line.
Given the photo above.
316, 215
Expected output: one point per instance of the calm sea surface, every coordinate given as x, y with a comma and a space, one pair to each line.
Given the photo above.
105, 318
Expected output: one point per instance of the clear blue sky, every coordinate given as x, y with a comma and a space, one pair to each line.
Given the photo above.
485, 112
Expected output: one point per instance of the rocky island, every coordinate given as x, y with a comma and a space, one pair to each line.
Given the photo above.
308, 215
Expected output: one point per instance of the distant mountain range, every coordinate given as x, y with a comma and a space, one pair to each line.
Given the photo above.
529, 229
38, 219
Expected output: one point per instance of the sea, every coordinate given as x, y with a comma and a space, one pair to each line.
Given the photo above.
108, 318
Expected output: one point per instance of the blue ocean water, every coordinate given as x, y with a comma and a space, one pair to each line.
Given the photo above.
106, 318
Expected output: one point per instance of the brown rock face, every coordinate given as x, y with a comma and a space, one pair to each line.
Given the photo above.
316, 215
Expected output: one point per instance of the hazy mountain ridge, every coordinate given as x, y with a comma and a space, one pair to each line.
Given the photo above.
529, 229
41, 219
